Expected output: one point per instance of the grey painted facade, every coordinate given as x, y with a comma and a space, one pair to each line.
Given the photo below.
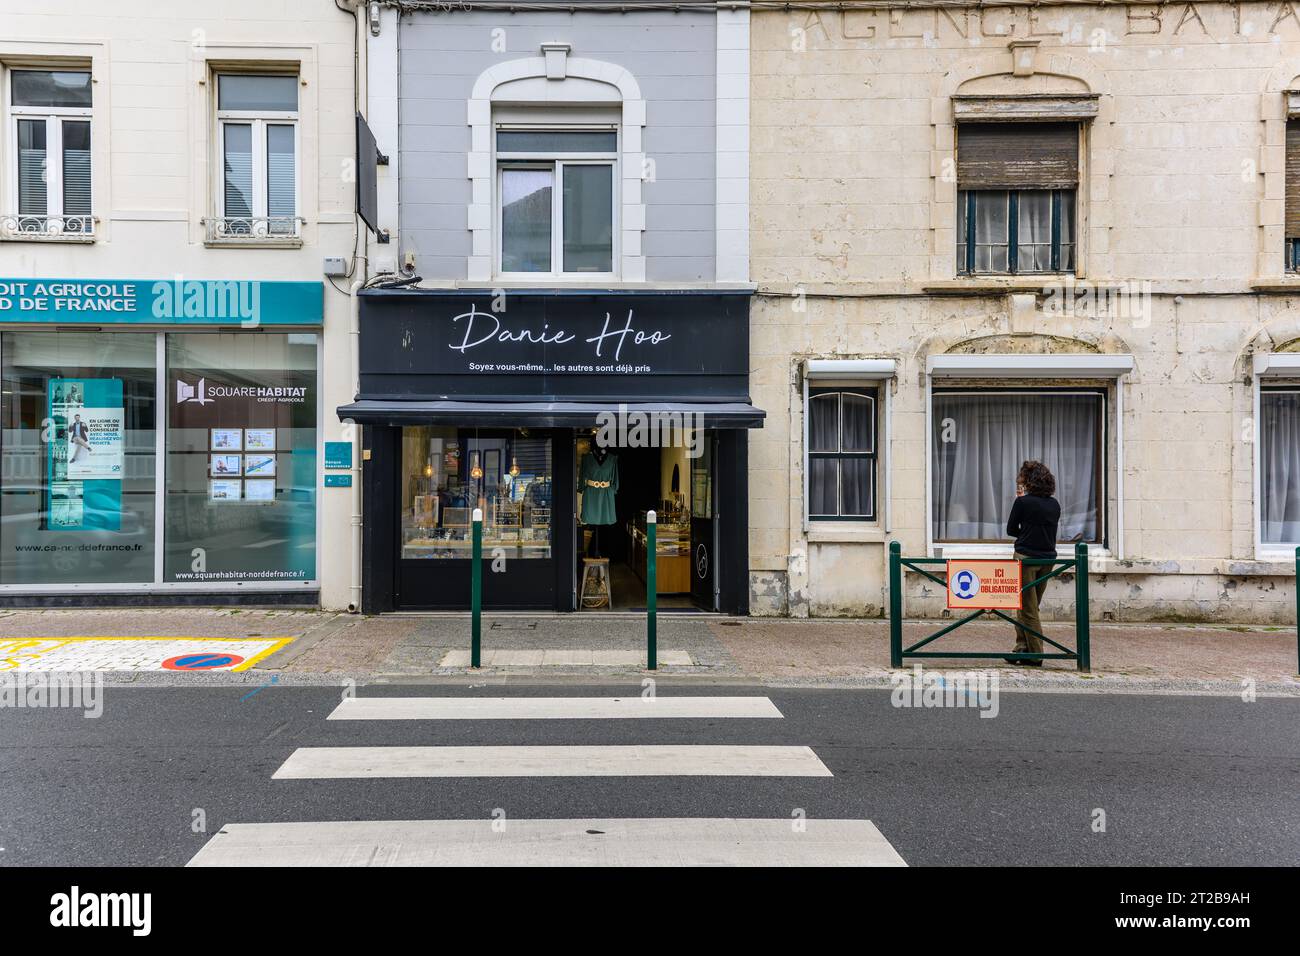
673, 57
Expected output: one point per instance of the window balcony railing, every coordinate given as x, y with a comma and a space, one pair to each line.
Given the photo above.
52, 228
253, 229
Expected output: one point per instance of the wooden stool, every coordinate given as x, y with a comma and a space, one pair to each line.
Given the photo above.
596, 571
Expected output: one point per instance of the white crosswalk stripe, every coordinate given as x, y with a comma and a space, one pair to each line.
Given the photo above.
550, 708
623, 842
695, 760
699, 841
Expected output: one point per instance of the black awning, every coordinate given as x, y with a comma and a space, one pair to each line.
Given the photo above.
544, 414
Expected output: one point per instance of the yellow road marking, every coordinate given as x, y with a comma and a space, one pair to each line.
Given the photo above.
11, 648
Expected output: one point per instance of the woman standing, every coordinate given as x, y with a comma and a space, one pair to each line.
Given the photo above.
1033, 521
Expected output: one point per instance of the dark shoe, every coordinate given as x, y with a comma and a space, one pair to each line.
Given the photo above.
1031, 663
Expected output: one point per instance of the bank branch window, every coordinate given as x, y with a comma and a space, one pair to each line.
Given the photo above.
257, 120
78, 458
50, 116
241, 458
1016, 196
841, 454
556, 201
447, 472
979, 440
1279, 460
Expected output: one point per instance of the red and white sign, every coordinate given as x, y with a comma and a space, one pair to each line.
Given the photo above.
979, 584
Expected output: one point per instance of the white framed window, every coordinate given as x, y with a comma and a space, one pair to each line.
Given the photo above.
258, 149
557, 201
50, 193
1279, 468
846, 445
980, 437
842, 453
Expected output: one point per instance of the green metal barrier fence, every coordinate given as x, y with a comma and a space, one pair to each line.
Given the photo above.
1056, 566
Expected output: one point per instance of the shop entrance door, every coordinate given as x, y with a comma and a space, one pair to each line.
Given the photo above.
704, 531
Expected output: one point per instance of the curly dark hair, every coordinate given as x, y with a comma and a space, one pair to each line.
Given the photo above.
1037, 479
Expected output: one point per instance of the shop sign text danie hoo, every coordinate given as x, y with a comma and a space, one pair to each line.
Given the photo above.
482, 328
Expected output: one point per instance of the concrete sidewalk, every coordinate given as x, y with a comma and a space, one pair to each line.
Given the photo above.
325, 645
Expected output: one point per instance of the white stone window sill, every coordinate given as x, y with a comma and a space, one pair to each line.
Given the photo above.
285, 243
43, 240
845, 532
1064, 550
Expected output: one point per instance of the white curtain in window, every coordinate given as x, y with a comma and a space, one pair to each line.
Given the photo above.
1279, 456
823, 436
1034, 236
238, 162
991, 232
280, 176
979, 442
32, 196
76, 168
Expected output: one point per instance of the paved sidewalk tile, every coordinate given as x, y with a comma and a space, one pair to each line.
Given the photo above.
312, 643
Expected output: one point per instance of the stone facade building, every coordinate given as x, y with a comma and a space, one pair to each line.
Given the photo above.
986, 233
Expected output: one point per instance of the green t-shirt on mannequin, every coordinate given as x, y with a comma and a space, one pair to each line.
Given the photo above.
598, 482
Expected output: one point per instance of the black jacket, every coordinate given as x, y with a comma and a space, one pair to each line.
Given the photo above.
1033, 524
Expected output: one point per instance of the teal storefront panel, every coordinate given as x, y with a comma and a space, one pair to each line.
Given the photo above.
248, 303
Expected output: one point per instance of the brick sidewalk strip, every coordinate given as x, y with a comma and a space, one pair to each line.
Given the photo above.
755, 649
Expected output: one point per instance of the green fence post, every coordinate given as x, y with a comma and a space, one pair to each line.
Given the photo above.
1082, 636
651, 589
476, 590
896, 604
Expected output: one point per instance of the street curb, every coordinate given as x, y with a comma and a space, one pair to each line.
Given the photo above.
1100, 684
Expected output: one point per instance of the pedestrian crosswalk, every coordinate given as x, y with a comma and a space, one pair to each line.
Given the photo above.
699, 841
621, 842
550, 708
686, 760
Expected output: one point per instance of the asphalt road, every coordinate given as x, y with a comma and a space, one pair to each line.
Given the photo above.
1182, 780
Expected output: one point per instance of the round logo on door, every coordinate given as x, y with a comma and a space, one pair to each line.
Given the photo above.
702, 561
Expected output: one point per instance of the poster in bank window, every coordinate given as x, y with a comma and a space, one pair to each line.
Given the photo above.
85, 454
241, 474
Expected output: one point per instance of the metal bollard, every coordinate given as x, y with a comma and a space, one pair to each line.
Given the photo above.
476, 591
652, 555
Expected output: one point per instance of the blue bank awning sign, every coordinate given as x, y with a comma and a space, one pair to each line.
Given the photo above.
247, 303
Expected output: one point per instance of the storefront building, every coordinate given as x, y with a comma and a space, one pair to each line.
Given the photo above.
170, 353
465, 408
567, 345
152, 446
1064, 233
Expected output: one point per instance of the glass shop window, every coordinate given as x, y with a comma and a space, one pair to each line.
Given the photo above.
447, 472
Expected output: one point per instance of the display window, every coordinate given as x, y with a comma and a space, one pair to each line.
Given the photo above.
77, 480
82, 498
448, 472
241, 457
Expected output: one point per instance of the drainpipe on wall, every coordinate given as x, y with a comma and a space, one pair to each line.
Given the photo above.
354, 338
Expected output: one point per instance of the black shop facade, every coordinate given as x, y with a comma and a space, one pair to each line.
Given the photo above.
565, 417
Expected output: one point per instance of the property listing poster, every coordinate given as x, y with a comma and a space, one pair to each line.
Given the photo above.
85, 454
241, 475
